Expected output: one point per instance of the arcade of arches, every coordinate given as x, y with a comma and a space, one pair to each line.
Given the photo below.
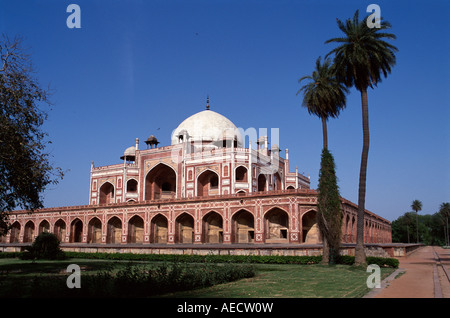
210, 227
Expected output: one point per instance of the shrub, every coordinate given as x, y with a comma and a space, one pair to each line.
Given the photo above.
45, 246
139, 280
383, 261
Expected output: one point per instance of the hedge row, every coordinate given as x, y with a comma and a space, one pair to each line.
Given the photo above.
133, 280
10, 254
255, 259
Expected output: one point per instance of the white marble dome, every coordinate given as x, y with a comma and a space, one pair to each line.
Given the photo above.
207, 127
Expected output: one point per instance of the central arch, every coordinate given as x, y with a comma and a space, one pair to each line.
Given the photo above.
160, 183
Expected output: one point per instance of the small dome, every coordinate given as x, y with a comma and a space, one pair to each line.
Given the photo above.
152, 140
207, 126
129, 153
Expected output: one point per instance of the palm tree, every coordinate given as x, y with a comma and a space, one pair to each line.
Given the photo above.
416, 205
324, 96
361, 59
445, 212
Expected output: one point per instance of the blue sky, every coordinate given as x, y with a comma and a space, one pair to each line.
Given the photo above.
137, 68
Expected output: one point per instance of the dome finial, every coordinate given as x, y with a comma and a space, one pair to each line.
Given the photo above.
207, 102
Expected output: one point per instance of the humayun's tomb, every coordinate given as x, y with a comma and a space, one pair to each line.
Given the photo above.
205, 190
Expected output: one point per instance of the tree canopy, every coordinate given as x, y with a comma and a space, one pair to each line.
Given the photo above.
25, 167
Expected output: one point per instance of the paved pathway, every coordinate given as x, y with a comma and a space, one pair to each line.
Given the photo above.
423, 276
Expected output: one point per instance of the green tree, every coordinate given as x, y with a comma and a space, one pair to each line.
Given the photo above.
323, 96
329, 215
444, 211
361, 59
430, 228
45, 246
416, 205
25, 170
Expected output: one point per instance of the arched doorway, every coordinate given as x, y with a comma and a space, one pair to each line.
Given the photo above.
15, 233
44, 226
28, 234
160, 183
262, 182
95, 231
114, 231
76, 231
184, 228
241, 174
311, 234
212, 228
136, 230
276, 225
132, 186
277, 181
106, 193
207, 183
159, 229
243, 227
60, 230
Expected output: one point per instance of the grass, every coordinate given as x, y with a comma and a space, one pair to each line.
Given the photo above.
271, 280
293, 281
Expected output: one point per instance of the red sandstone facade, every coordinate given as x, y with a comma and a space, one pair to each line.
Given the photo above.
199, 190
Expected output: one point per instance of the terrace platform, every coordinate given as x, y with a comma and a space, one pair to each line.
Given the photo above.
380, 250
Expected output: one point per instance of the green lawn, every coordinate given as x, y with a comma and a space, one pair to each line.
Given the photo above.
298, 281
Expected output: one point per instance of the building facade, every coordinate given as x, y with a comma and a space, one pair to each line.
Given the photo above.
207, 187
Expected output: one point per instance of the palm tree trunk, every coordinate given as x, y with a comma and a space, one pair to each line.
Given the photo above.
326, 247
325, 133
360, 255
